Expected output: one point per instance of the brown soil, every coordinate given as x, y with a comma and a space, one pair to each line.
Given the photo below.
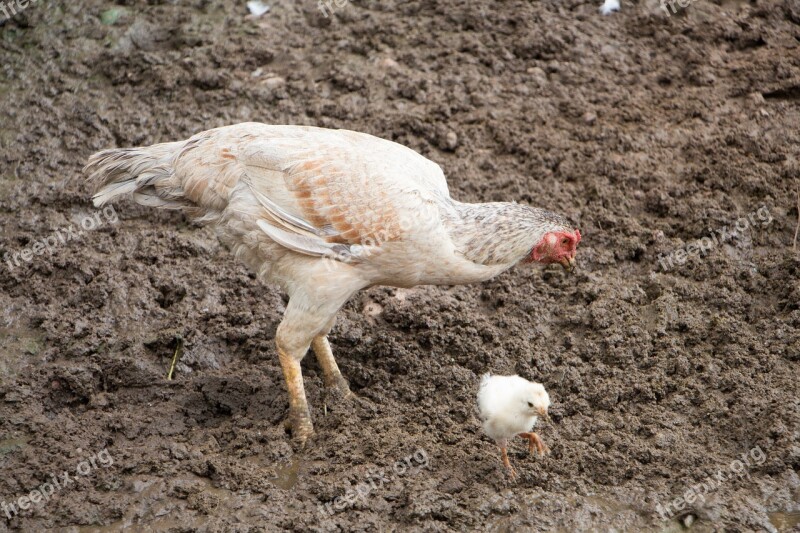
650, 131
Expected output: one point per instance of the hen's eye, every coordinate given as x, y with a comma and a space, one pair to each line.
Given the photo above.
565, 241
530, 404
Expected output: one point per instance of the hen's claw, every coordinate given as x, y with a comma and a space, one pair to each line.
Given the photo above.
299, 423
335, 384
340, 388
338, 393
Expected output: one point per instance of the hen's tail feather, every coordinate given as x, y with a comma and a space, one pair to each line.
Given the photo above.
146, 173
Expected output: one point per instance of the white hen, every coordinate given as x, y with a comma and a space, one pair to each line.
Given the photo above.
510, 406
326, 213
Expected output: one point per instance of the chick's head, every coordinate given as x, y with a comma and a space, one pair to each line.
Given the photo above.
534, 400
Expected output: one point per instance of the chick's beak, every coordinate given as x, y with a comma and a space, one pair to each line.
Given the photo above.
543, 413
568, 263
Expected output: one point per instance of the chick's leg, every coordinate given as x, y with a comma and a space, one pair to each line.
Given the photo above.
330, 370
504, 453
535, 443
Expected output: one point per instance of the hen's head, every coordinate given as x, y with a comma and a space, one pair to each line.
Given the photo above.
558, 246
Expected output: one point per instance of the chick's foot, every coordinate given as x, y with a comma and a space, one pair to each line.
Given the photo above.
535, 443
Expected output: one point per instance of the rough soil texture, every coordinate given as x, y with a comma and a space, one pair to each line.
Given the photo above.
650, 131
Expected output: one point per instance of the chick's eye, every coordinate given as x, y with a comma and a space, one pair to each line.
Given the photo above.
530, 404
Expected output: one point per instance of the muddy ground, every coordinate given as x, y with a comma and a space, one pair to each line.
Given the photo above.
650, 131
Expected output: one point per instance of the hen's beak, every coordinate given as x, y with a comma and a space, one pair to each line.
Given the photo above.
568, 263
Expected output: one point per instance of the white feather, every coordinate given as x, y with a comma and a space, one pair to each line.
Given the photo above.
305, 244
609, 6
257, 8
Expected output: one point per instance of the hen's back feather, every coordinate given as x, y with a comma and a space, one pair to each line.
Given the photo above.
309, 189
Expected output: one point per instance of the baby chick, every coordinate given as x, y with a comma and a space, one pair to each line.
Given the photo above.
609, 6
509, 406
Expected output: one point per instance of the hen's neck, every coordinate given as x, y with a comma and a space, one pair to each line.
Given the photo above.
497, 233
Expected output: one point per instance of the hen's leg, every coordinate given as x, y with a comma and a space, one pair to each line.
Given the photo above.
535, 443
309, 314
299, 417
294, 335
330, 370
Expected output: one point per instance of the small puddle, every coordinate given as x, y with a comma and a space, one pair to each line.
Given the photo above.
592, 513
285, 474
152, 509
9, 445
153, 506
163, 523
18, 345
785, 522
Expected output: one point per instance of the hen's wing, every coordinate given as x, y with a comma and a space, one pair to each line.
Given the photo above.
318, 191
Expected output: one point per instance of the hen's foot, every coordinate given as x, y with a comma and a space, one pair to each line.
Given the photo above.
299, 423
330, 370
338, 389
